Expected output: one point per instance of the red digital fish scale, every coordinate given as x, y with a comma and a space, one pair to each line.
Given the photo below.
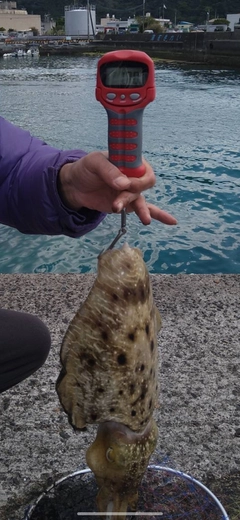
125, 86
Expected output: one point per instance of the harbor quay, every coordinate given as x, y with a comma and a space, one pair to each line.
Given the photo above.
211, 49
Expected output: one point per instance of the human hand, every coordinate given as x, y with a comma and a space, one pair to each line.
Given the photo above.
97, 184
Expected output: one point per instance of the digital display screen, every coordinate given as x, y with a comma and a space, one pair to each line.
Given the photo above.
124, 74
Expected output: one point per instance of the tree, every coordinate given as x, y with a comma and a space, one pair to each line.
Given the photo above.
2, 29
149, 23
35, 31
221, 21
60, 23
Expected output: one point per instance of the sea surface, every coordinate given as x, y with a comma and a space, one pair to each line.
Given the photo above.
191, 136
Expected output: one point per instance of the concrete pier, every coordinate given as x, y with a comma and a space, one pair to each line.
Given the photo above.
199, 410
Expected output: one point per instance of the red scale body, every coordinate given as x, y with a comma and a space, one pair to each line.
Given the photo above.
125, 86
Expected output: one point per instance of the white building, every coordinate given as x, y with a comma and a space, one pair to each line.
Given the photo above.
233, 19
18, 19
163, 21
8, 5
112, 24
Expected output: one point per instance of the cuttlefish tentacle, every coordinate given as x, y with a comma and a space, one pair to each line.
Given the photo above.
118, 458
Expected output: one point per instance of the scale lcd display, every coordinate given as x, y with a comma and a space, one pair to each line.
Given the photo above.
124, 74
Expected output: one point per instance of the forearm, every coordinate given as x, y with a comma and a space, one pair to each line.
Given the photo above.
29, 182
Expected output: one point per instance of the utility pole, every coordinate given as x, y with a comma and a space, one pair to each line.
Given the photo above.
207, 23
143, 14
88, 19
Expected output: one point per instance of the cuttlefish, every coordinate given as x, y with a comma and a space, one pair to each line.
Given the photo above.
109, 371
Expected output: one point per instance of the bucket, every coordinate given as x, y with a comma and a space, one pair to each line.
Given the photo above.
165, 494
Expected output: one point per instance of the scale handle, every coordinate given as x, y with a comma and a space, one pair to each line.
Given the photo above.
125, 141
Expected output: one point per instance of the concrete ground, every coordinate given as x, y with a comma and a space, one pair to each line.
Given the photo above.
199, 412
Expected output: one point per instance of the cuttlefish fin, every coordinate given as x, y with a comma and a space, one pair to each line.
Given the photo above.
69, 400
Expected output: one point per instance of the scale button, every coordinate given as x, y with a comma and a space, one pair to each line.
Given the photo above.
111, 95
123, 96
134, 96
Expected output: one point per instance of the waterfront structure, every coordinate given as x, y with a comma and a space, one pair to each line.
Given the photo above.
211, 26
18, 19
80, 21
47, 24
8, 5
184, 26
234, 20
163, 22
110, 24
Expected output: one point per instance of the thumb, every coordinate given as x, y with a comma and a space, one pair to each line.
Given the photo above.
109, 173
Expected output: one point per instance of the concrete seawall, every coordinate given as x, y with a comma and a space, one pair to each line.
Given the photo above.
217, 49
199, 412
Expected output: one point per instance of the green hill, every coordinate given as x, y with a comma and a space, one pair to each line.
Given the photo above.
194, 11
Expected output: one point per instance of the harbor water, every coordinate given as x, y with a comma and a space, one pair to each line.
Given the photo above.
191, 136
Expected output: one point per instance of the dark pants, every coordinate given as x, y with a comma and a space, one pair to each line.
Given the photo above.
24, 346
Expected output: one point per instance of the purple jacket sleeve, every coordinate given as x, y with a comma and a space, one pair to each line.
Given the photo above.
29, 199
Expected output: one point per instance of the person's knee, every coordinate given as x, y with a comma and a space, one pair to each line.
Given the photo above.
24, 346
34, 341
41, 342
